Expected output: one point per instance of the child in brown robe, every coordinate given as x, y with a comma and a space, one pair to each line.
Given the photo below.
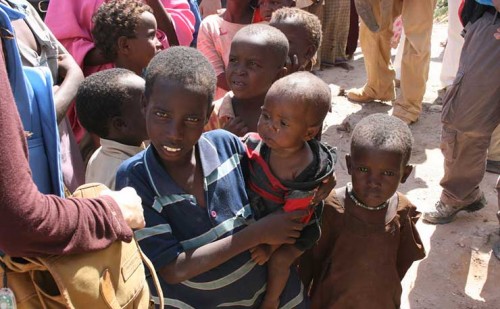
369, 239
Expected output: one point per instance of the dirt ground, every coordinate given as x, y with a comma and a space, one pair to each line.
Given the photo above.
460, 270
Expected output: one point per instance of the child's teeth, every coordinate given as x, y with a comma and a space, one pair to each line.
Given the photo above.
171, 149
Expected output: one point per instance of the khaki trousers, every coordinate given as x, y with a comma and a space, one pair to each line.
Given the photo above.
494, 150
471, 112
417, 18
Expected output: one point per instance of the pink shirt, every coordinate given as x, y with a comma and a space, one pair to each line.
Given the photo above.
71, 23
214, 41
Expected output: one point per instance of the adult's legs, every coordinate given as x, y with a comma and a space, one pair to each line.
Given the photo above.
493, 163
352, 40
335, 31
470, 115
376, 47
417, 16
453, 48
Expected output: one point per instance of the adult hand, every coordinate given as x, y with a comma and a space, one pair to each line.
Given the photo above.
324, 189
280, 227
209, 7
236, 126
130, 204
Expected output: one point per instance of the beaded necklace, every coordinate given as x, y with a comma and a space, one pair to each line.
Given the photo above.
358, 203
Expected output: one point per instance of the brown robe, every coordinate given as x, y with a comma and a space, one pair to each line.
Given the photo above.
362, 255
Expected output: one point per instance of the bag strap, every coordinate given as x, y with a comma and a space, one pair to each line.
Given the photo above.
152, 271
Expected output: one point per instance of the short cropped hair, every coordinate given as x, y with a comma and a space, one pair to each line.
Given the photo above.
301, 18
184, 65
383, 132
308, 89
101, 96
114, 19
275, 40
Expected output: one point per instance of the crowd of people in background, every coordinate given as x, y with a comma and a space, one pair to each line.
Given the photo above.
206, 118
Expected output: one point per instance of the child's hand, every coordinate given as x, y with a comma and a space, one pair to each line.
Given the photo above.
324, 189
497, 34
279, 228
261, 254
67, 65
236, 126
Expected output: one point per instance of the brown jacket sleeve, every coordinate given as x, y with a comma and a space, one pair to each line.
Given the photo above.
35, 224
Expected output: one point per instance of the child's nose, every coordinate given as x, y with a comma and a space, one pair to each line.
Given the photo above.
158, 44
175, 130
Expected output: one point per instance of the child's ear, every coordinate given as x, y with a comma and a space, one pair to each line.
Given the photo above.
348, 163
281, 73
311, 51
209, 112
122, 44
312, 132
144, 103
406, 173
118, 123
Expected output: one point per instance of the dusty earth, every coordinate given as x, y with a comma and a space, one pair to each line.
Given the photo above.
460, 270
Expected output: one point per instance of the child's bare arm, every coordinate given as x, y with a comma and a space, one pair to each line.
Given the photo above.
72, 77
189, 264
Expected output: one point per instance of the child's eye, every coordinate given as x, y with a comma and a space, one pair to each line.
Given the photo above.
232, 60
253, 64
161, 114
362, 169
264, 115
389, 173
193, 119
283, 123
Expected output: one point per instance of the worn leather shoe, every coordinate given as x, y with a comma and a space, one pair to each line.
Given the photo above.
445, 214
359, 95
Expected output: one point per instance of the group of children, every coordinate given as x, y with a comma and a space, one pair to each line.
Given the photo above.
235, 217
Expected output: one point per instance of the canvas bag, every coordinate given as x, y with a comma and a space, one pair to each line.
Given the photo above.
111, 278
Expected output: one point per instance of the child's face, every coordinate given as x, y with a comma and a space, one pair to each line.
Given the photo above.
268, 7
144, 45
283, 124
376, 174
252, 68
175, 117
299, 43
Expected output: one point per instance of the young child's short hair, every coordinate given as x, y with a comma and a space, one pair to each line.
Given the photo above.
100, 97
184, 65
275, 39
308, 89
383, 132
299, 17
115, 19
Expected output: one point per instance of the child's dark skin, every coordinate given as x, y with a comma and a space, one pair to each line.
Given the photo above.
251, 71
175, 118
376, 175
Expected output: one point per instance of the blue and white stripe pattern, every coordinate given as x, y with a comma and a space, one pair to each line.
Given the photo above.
175, 223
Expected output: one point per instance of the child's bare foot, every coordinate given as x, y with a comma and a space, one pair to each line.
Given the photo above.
270, 304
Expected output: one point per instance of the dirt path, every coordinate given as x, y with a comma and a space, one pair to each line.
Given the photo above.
460, 270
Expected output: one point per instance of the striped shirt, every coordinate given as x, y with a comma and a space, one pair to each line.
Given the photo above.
175, 223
